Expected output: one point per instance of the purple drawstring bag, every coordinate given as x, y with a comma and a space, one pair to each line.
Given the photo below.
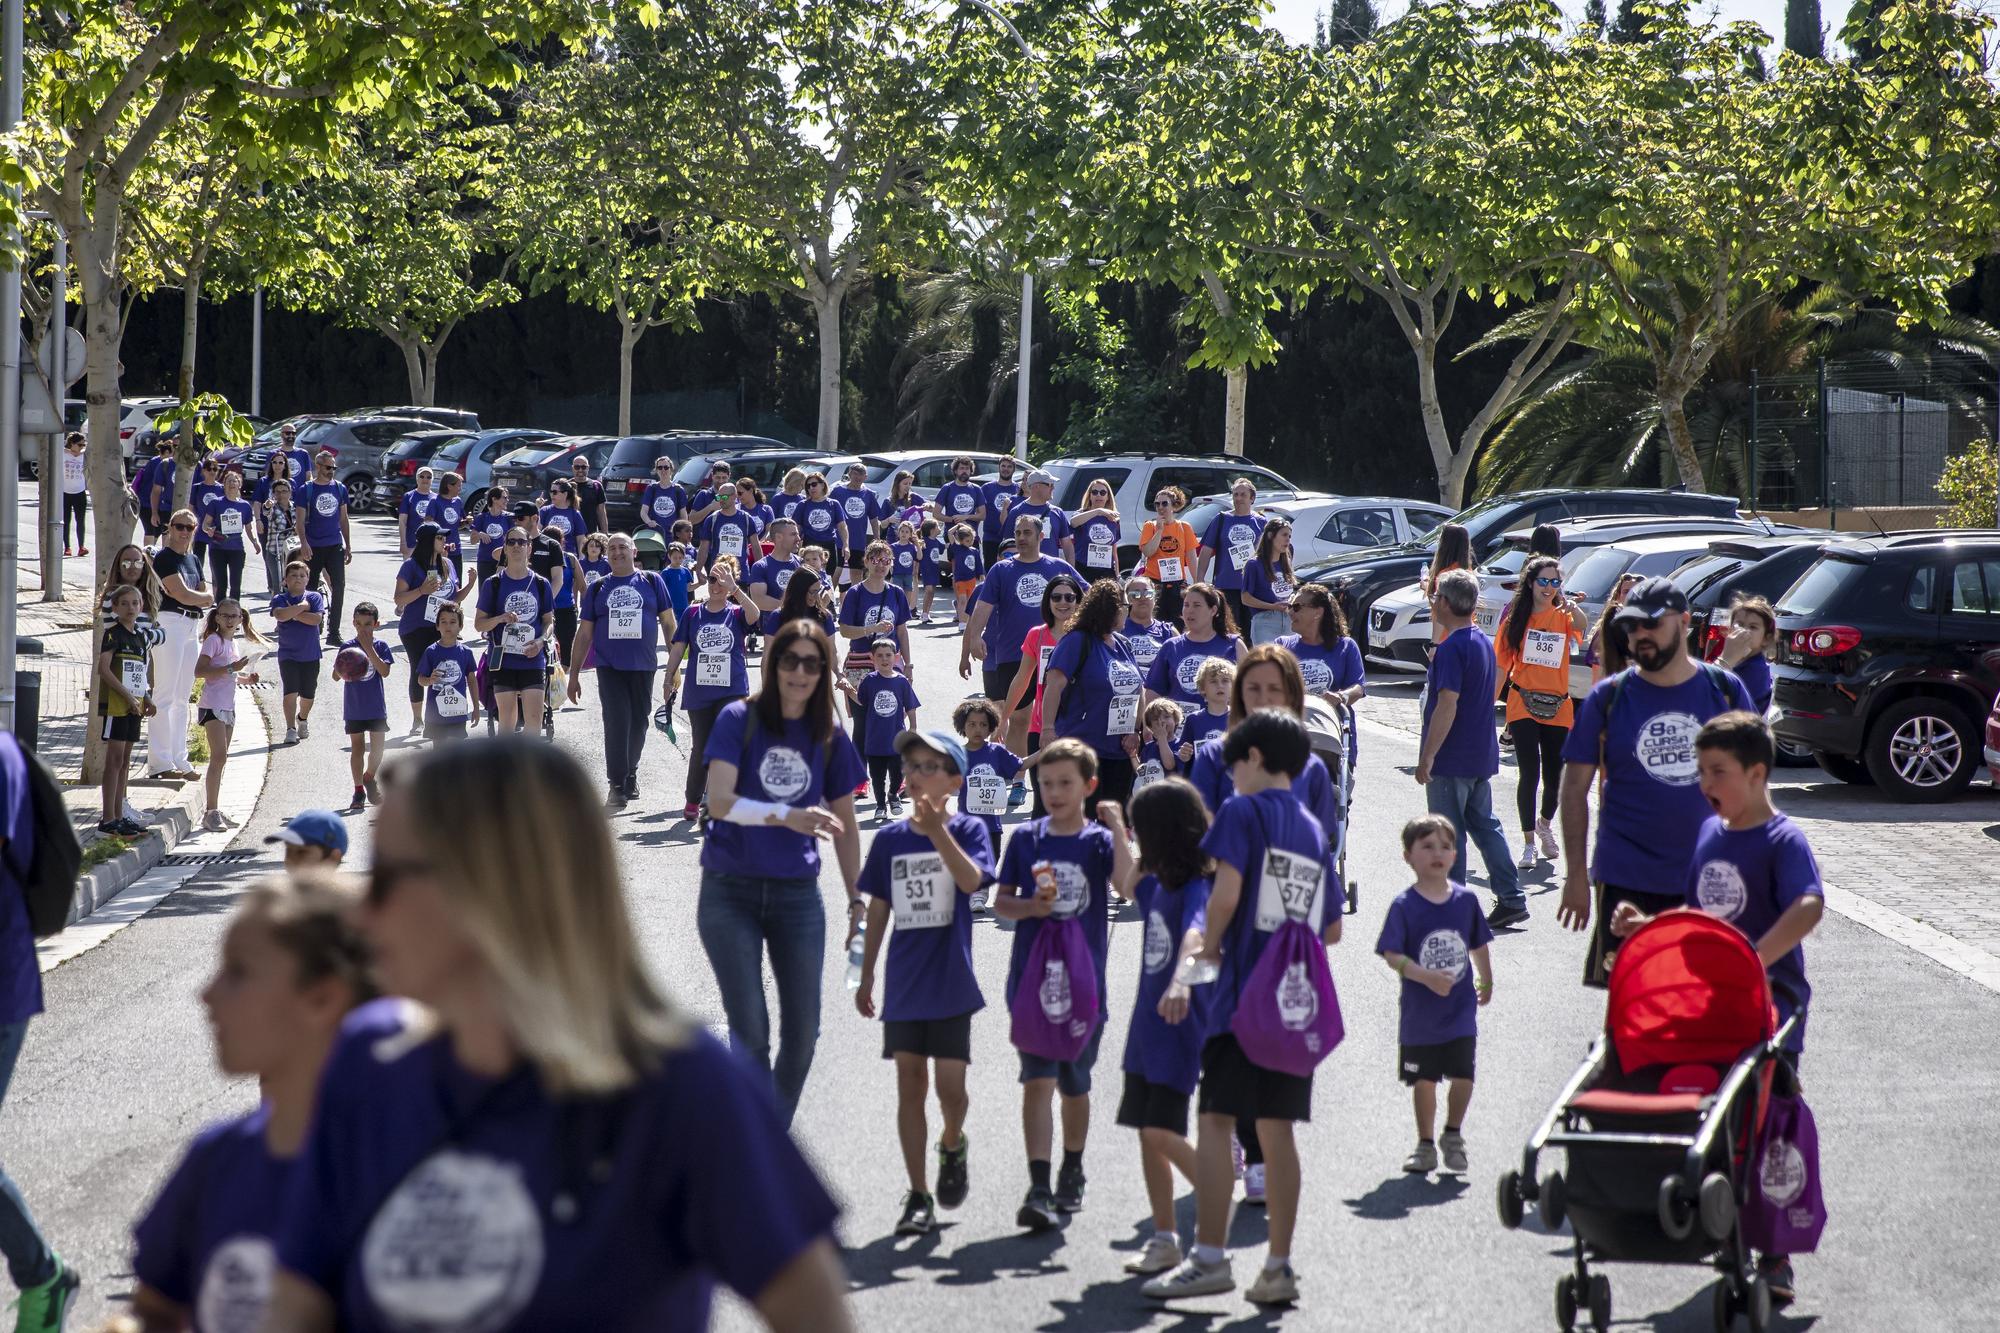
1786, 1211
1288, 1018
1055, 1005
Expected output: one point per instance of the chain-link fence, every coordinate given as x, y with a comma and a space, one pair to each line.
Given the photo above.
1843, 437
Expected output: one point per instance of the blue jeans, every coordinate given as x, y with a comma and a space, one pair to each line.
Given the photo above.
737, 916
1468, 804
29, 1260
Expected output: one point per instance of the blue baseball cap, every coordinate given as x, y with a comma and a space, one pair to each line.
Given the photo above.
943, 742
313, 828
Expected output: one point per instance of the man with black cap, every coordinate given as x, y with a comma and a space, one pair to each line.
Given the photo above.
1639, 727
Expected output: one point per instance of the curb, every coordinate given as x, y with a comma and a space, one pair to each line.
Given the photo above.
111, 878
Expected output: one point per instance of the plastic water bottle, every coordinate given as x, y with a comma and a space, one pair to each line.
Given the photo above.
856, 948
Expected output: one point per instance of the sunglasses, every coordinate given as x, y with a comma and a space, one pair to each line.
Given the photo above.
517, 541
182, 527
1056, 597
810, 663
383, 877
1645, 622
664, 467
1548, 583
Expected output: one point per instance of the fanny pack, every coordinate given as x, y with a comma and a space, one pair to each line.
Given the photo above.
1541, 705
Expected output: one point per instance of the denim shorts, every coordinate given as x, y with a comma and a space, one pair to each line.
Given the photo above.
1072, 1076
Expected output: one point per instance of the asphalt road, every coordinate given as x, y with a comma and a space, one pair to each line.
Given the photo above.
1902, 1072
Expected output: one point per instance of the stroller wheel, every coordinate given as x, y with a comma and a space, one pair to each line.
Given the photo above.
1759, 1305
1511, 1205
1600, 1303
1725, 1307
1550, 1206
1718, 1206
1566, 1304
1676, 1217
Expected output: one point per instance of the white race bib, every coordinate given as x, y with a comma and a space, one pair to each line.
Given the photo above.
985, 792
1289, 889
132, 671
1170, 569
451, 702
230, 521
1100, 555
1122, 716
1048, 650
920, 891
711, 669
627, 610
729, 539
518, 639
1240, 553
1543, 648
1150, 771
431, 604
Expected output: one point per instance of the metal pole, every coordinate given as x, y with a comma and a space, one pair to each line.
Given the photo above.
10, 379
1825, 449
257, 351
58, 335
1027, 358
1751, 450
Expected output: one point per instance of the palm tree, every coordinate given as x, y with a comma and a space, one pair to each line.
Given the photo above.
1598, 421
953, 356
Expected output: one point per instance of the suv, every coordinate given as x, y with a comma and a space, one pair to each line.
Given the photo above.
454, 417
1358, 579
359, 445
405, 456
630, 469
1136, 478
135, 415
1888, 656
528, 471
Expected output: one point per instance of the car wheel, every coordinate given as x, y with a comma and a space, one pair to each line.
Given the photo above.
1921, 750
1793, 755
1846, 767
361, 493
477, 503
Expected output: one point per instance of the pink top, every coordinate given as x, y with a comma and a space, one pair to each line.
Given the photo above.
219, 693
1040, 644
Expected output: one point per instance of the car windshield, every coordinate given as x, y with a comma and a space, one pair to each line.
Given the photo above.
1822, 583
637, 449
1508, 561
1478, 518
880, 469
1595, 576
1699, 572
314, 433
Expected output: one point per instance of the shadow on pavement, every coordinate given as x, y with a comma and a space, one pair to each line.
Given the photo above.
1117, 1307
1401, 1194
882, 1262
1697, 1312
1020, 1254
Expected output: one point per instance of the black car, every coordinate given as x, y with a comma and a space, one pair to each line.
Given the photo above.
630, 469
527, 472
1888, 659
406, 456
1358, 579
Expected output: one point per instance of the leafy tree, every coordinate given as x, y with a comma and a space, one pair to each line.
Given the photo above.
1971, 483
964, 343
1595, 20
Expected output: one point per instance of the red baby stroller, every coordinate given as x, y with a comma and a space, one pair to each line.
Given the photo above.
1659, 1123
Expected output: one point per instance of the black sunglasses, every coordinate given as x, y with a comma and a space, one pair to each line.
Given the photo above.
182, 527
810, 663
517, 541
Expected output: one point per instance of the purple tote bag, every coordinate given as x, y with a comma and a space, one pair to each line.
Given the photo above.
1055, 1005
1786, 1211
1288, 1018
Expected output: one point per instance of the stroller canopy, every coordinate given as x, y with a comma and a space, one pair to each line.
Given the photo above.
1687, 989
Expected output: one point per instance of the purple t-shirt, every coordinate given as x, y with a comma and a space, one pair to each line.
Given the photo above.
788, 767
623, 611
488, 530
989, 771
430, 1197
1749, 877
1652, 808
1197, 725
1326, 669
1014, 588
1464, 663
716, 666
528, 597
857, 505
1179, 661
1100, 703
819, 522
931, 562
881, 704
886, 610
994, 528
449, 515
363, 700
1281, 853
928, 968
772, 574
904, 560
1233, 538
416, 507
20, 978
1441, 936
566, 523
960, 501
1267, 585
728, 534
967, 563
448, 699
1146, 640
661, 505
421, 614
298, 642
1755, 673
1158, 1051
1313, 787
323, 506
206, 1243
1097, 544
1055, 523
1082, 865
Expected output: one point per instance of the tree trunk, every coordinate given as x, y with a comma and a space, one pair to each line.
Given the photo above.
1680, 440
413, 365
1451, 466
827, 437
1237, 379
1451, 484
188, 451
629, 333
114, 509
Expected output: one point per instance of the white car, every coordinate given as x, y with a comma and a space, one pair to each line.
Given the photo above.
931, 468
135, 415
1332, 525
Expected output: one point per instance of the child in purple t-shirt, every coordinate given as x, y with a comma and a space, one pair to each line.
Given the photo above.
1432, 930
365, 708
885, 703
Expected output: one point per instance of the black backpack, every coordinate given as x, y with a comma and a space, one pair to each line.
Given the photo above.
49, 884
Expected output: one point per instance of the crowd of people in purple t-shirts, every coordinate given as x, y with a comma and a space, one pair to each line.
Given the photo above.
480, 1111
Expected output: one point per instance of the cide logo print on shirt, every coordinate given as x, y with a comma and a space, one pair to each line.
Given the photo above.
1189, 668
1443, 951
819, 520
446, 673
961, 504
1159, 942
714, 639
856, 507
1318, 675
783, 773
326, 503
236, 1286
886, 703
1072, 888
1665, 747
1029, 588
457, 1246
1720, 889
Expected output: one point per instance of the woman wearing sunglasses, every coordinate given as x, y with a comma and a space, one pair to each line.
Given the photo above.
516, 608
1097, 531
553, 1144
819, 519
1329, 660
1532, 653
1167, 548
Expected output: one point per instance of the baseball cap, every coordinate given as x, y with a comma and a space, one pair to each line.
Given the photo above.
525, 509
1039, 478
1651, 599
313, 828
943, 742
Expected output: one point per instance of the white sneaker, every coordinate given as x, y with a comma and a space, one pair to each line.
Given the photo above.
1253, 1183
1275, 1286
1161, 1253
1191, 1278
135, 814
1453, 1147
212, 822
291, 735
1423, 1161
1527, 861
305, 728
1547, 835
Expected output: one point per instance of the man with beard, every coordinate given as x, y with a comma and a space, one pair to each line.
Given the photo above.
1639, 727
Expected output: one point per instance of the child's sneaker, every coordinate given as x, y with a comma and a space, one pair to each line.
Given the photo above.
1424, 1160
359, 801
1527, 861
1069, 1188
1275, 1286
953, 1180
1452, 1145
1038, 1210
1162, 1252
918, 1216
1777, 1274
305, 728
1547, 836
1017, 796
374, 791
1253, 1184
47, 1305
1192, 1278
690, 812
980, 899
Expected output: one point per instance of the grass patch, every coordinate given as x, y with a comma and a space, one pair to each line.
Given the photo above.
197, 744
105, 847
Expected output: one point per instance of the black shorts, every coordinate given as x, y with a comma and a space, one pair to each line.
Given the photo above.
358, 726
932, 1038
857, 558
125, 728
1429, 1064
1596, 970
1232, 1086
1152, 1106
300, 678
512, 680
204, 716
1072, 1076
